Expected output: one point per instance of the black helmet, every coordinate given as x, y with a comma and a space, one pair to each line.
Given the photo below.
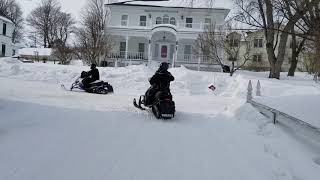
164, 66
93, 66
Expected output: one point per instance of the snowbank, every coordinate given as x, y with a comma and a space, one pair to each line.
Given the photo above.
304, 107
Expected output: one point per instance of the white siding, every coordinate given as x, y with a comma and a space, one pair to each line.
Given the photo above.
6, 39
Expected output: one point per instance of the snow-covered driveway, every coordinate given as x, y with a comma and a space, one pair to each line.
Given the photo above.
42, 142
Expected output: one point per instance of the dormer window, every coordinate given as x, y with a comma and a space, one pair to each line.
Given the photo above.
165, 19
158, 20
173, 21
124, 20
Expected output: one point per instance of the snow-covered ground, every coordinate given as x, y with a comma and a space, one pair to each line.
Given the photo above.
49, 133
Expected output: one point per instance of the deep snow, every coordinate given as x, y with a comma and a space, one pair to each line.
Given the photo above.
49, 133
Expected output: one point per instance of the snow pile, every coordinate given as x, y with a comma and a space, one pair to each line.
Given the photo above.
77, 62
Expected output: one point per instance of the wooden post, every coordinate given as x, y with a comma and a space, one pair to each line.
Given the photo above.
249, 93
258, 89
274, 117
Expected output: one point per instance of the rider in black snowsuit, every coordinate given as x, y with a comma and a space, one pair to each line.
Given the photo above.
92, 75
160, 81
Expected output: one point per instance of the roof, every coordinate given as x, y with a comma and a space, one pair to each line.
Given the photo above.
5, 19
198, 4
32, 51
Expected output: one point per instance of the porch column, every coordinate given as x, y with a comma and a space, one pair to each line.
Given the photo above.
175, 58
126, 53
149, 52
199, 59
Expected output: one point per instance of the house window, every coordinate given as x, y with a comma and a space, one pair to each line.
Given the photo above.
233, 42
187, 52
258, 43
141, 48
257, 58
3, 50
207, 22
4, 29
189, 22
124, 20
143, 20
159, 20
165, 19
173, 21
122, 49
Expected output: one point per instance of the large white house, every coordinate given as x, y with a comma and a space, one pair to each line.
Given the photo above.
6, 30
160, 32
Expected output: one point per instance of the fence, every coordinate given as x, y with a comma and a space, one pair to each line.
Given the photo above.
279, 116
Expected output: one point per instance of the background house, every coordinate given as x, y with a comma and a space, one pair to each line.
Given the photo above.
6, 30
257, 51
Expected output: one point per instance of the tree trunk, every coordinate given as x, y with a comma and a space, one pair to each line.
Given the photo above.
293, 66
232, 69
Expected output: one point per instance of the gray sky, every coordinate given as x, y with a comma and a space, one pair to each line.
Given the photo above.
74, 6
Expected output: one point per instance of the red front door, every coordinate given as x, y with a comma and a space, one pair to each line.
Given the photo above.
164, 51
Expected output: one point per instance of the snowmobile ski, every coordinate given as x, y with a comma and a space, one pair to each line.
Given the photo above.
137, 105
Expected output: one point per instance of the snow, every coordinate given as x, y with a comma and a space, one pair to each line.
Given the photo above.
295, 106
5, 19
31, 51
49, 133
180, 3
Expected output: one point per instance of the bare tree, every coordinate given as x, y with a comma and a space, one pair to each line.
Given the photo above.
93, 43
43, 20
63, 53
12, 10
237, 48
213, 44
266, 15
311, 25
210, 44
296, 47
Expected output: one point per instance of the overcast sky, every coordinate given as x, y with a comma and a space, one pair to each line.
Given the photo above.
74, 6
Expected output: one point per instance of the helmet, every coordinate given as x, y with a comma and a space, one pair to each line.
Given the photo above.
164, 66
93, 66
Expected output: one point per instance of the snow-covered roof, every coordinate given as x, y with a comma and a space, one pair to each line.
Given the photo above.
32, 51
197, 4
5, 19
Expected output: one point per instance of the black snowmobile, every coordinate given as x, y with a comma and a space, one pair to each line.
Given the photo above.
98, 87
158, 96
162, 107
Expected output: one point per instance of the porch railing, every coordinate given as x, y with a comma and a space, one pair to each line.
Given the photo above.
130, 55
142, 56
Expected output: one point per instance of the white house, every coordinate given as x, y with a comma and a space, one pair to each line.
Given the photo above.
6, 30
160, 32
